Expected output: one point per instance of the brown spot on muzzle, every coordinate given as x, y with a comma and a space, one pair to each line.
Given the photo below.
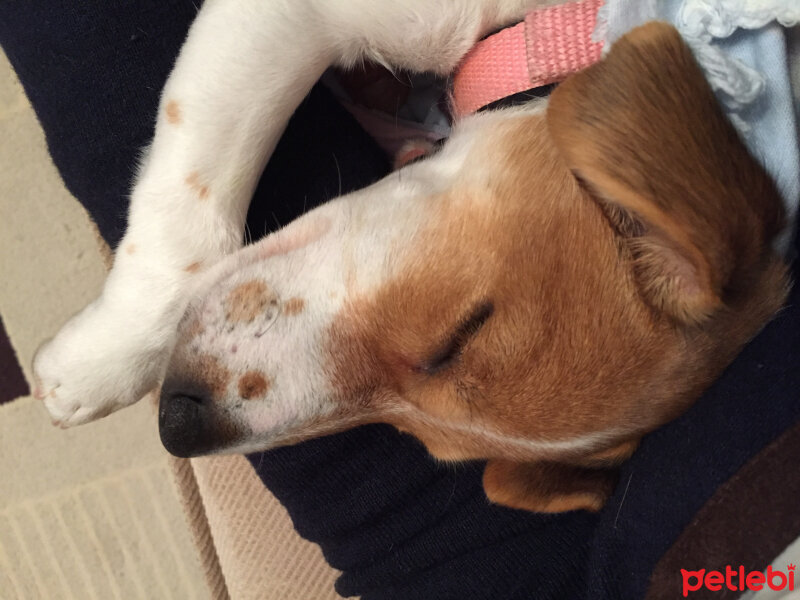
253, 385
293, 306
210, 372
194, 329
248, 300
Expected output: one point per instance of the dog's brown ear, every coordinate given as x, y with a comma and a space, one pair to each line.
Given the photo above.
547, 486
644, 133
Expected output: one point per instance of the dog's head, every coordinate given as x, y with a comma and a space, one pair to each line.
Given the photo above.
558, 280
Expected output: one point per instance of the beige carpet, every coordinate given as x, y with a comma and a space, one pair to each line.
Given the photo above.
91, 512
102, 511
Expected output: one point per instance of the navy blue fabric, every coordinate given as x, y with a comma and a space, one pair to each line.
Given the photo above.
398, 525
93, 71
678, 467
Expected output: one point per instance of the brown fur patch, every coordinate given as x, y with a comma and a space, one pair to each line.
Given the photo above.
212, 373
194, 329
248, 300
193, 181
609, 457
704, 206
595, 336
194, 267
253, 385
547, 487
173, 112
130, 248
548, 364
586, 337
293, 306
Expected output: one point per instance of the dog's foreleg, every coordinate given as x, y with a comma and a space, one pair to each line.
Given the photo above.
243, 69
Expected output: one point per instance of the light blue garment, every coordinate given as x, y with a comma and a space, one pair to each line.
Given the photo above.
742, 48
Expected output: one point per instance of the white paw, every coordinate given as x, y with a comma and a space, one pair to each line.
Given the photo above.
98, 363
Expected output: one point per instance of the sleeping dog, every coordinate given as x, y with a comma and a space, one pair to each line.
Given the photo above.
560, 278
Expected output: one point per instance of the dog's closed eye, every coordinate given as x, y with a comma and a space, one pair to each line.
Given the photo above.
448, 352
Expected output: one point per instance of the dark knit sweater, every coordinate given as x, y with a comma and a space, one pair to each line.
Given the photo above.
397, 524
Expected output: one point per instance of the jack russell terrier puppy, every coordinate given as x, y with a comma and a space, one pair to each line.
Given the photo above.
561, 278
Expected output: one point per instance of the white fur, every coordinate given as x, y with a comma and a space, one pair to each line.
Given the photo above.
244, 68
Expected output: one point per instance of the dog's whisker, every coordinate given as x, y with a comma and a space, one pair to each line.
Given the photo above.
338, 174
624, 495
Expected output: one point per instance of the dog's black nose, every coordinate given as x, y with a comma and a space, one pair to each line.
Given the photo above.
184, 423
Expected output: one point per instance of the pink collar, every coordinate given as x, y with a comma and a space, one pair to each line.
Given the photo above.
550, 44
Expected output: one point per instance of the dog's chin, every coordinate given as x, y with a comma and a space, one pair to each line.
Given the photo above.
209, 445
193, 443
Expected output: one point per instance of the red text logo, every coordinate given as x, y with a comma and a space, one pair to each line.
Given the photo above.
738, 580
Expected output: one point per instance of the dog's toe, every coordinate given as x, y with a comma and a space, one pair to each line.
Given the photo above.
93, 367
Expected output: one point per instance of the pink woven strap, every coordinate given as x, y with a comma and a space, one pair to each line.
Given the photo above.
550, 44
